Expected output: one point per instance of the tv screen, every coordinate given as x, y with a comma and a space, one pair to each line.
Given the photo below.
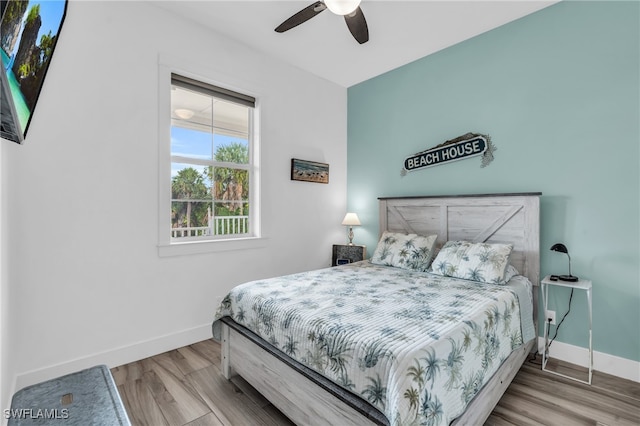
28, 34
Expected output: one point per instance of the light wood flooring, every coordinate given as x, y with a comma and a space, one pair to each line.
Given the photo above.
185, 387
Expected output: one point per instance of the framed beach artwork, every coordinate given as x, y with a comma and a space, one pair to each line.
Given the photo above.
309, 171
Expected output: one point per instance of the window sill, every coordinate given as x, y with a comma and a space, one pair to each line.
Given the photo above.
210, 246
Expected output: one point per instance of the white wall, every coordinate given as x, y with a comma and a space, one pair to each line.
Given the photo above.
6, 365
87, 284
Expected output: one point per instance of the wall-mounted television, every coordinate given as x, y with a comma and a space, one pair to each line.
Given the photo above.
29, 32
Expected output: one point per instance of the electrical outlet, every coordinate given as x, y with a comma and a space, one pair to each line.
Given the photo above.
551, 315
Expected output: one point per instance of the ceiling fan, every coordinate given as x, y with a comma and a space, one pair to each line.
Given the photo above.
350, 9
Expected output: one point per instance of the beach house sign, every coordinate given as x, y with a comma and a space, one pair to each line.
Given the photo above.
465, 146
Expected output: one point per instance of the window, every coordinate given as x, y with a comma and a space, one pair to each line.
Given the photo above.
213, 186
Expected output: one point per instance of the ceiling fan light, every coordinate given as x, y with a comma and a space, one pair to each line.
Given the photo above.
342, 7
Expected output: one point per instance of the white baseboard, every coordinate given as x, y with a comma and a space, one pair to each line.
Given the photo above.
610, 364
115, 357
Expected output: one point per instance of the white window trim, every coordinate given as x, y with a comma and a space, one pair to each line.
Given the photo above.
166, 247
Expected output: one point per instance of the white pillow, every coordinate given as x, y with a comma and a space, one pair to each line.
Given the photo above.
473, 261
510, 272
407, 251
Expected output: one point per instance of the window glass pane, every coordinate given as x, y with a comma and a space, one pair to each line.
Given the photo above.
228, 221
191, 143
191, 201
191, 109
190, 218
230, 119
231, 191
191, 179
197, 111
231, 149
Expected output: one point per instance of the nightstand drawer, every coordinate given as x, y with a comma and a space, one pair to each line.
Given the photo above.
344, 253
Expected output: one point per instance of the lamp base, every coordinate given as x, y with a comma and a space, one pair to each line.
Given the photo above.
569, 278
350, 235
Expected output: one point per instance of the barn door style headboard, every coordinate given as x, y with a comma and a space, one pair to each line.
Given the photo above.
492, 218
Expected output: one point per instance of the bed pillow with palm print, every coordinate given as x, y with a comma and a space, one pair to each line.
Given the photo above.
473, 261
510, 272
407, 251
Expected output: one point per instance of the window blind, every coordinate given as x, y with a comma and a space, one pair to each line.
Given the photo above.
210, 89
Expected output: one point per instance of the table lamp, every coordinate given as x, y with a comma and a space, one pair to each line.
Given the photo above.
561, 248
351, 220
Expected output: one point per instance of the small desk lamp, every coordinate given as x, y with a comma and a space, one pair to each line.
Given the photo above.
561, 248
351, 220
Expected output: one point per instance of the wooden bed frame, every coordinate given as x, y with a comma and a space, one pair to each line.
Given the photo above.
308, 398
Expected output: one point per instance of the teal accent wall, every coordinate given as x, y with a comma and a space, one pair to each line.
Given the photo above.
558, 91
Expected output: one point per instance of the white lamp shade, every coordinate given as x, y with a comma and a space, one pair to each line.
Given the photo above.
342, 7
351, 219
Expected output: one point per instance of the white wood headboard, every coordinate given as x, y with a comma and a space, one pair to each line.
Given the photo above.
493, 218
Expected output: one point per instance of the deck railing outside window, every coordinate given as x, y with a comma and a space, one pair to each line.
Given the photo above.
219, 225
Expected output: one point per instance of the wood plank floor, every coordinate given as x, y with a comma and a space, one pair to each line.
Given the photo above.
185, 387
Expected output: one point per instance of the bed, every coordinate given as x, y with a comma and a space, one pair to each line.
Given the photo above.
361, 363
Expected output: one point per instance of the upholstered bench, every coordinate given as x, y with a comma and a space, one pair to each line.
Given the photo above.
88, 397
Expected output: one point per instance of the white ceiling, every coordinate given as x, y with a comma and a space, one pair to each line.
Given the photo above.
399, 31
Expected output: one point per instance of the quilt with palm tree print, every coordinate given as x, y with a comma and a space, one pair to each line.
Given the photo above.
417, 346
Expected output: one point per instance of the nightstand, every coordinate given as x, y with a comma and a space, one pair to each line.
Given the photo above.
344, 253
578, 285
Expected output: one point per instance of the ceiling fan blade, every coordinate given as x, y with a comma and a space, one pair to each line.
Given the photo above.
302, 16
358, 26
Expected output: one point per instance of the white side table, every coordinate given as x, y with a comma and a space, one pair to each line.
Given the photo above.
578, 285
